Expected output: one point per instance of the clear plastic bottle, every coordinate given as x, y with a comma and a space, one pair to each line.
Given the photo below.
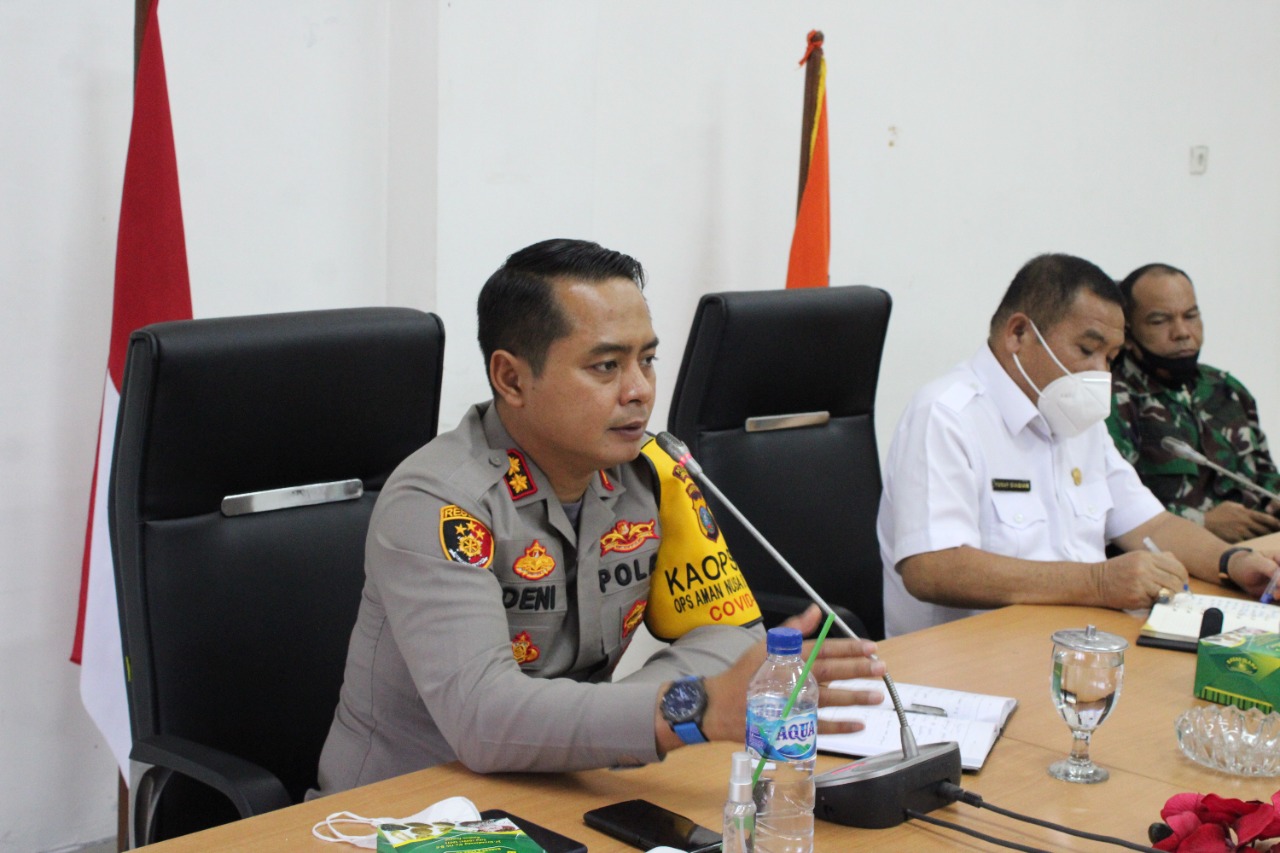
740, 808
784, 792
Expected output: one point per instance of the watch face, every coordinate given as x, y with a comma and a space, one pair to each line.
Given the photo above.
684, 700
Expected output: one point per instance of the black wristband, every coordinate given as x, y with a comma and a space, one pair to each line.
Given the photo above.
1223, 577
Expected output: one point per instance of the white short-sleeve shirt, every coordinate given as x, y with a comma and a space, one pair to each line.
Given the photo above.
973, 462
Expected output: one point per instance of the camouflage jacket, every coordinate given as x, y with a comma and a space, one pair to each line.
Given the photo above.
1214, 414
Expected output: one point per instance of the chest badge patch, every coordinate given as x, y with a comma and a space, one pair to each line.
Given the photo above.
464, 539
523, 649
1076, 476
535, 564
626, 536
633, 618
520, 482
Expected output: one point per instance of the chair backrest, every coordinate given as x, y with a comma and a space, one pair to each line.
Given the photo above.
813, 491
236, 627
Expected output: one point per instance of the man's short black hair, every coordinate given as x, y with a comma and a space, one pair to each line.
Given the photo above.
518, 310
1047, 285
1126, 286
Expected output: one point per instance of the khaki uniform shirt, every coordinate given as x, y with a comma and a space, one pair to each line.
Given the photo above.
489, 625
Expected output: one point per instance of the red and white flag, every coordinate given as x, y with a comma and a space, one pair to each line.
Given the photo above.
151, 286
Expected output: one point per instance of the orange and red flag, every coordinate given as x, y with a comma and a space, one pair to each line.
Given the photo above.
811, 243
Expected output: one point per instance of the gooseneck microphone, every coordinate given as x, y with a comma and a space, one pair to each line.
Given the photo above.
875, 792
1182, 450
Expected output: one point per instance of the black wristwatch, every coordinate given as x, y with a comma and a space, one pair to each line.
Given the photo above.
682, 707
1223, 577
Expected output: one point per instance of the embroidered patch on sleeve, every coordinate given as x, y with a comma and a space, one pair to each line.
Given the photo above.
464, 539
626, 536
520, 482
535, 563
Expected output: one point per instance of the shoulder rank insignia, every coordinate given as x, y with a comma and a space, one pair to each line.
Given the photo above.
464, 539
535, 564
523, 649
633, 618
519, 481
626, 536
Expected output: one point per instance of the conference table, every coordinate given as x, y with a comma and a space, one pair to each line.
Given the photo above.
1003, 652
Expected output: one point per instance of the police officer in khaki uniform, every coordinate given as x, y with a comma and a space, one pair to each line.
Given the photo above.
510, 561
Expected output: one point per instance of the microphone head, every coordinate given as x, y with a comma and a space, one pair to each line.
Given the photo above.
1180, 448
678, 450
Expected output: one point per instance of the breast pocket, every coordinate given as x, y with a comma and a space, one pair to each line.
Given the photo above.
1020, 523
624, 596
1091, 503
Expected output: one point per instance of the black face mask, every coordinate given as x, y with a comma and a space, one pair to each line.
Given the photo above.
1180, 370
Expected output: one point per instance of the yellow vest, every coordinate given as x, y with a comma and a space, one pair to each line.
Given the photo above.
696, 581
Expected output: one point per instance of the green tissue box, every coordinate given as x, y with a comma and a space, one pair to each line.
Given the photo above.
1240, 668
499, 835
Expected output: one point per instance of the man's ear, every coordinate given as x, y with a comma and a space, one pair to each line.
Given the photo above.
1017, 332
510, 376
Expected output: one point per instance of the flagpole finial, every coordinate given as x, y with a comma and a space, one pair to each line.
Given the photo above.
815, 38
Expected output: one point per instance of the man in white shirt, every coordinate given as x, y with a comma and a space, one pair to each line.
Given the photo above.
1002, 485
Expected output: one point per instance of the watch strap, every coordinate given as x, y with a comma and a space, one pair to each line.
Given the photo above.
689, 732
1223, 577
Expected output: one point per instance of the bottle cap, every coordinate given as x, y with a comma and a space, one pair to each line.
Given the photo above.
740, 777
784, 641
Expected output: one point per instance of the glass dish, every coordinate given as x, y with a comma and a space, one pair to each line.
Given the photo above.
1223, 737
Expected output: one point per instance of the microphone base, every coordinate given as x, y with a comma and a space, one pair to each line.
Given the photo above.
874, 793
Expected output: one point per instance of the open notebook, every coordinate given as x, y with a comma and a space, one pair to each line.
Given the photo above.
973, 720
1176, 623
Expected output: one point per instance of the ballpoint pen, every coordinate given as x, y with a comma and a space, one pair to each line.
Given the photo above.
1269, 594
1151, 546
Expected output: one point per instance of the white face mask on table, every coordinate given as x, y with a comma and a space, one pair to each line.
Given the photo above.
1074, 402
454, 810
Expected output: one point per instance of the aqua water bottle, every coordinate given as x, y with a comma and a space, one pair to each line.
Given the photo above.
788, 742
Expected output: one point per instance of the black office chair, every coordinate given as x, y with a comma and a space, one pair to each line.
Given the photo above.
776, 400
249, 453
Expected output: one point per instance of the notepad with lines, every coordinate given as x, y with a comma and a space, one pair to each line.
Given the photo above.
1176, 623
973, 720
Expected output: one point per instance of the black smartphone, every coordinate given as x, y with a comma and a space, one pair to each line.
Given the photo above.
642, 824
552, 842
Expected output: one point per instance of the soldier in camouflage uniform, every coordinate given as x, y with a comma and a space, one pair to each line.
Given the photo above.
1161, 389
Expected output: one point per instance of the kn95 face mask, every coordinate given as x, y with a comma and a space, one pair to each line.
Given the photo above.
1074, 402
454, 810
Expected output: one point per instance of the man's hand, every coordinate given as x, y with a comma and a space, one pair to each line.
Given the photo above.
839, 658
1252, 569
1135, 579
1233, 522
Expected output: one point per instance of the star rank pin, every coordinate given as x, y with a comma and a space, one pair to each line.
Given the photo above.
464, 539
520, 483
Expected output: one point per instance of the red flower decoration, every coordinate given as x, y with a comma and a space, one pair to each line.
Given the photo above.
1207, 823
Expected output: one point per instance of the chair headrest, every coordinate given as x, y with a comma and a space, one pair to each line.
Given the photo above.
775, 352
241, 404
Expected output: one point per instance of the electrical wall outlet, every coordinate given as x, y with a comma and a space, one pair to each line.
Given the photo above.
1199, 159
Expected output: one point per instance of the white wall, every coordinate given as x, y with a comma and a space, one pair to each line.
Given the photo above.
345, 152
